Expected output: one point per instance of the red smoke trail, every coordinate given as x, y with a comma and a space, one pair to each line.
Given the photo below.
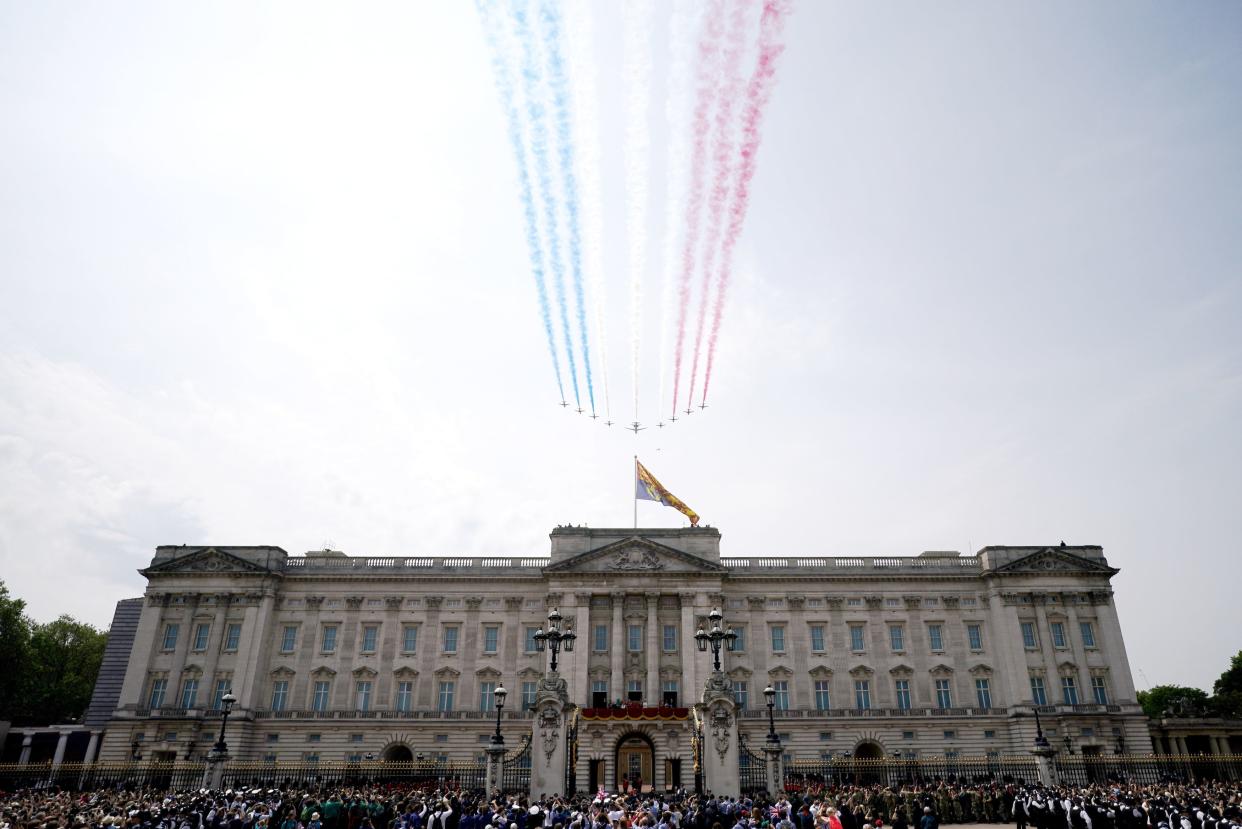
723, 143
771, 27
709, 48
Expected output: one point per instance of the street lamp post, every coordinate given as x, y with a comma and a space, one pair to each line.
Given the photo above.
1041, 742
769, 693
715, 637
554, 638
226, 701
500, 693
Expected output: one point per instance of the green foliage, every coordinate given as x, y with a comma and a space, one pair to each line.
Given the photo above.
49, 670
1230, 681
1172, 701
14, 651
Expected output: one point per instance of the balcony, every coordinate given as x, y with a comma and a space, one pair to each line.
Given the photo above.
871, 713
354, 714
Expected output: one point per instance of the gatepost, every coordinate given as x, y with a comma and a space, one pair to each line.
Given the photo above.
494, 780
213, 776
773, 752
718, 712
548, 756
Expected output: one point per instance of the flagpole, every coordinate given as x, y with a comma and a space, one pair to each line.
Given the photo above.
634, 491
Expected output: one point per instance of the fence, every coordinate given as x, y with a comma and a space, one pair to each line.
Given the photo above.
810, 773
515, 771
752, 768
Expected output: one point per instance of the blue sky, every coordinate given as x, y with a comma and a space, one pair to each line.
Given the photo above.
262, 281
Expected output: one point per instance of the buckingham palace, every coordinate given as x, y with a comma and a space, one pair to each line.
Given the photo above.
332, 657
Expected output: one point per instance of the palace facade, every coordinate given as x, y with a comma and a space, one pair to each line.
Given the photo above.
333, 657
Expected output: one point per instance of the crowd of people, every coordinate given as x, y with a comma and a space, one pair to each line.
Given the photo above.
1113, 806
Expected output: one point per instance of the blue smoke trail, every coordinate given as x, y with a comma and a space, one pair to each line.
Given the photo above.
531, 77
550, 15
504, 86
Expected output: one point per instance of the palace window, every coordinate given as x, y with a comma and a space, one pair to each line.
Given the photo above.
370, 634
1088, 634
782, 694
856, 638
289, 639
201, 632
319, 699
778, 638
739, 644
280, 694
450, 638
902, 686
670, 638
1038, 694
817, 638
232, 636
409, 639
530, 643
823, 696
944, 695
189, 693
935, 637
974, 635
445, 699
862, 694
1058, 634
170, 636
739, 694
362, 695
983, 693
487, 696
491, 639
1028, 635
223, 686
601, 639
329, 639
897, 637
528, 694
634, 638
1069, 690
1099, 690
405, 695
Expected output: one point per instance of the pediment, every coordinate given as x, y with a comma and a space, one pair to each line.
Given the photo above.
282, 671
740, 673
323, 670
405, 672
364, 671
821, 672
635, 555
1055, 560
901, 670
529, 673
204, 560
859, 671
941, 670
982, 669
781, 671
487, 673
447, 671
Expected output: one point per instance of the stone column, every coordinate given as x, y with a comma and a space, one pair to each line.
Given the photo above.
92, 748
616, 684
215, 644
1113, 646
654, 647
27, 740
213, 775
1080, 651
720, 728
1048, 652
686, 649
548, 754
579, 680
61, 744
494, 781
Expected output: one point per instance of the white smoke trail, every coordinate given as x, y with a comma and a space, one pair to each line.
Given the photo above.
636, 68
682, 44
579, 41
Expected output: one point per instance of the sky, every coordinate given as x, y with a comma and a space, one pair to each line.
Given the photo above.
263, 281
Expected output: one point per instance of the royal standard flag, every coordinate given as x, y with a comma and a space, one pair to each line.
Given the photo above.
647, 488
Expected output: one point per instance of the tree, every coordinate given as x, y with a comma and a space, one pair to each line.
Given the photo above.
1227, 692
15, 629
1172, 700
65, 656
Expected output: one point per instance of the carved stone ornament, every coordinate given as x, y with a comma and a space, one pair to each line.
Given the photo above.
549, 725
717, 688
722, 732
314, 602
636, 558
552, 687
354, 602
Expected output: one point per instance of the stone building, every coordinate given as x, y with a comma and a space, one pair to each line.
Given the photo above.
333, 657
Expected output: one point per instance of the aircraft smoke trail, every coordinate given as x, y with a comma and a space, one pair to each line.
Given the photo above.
708, 56
578, 40
636, 70
550, 18
723, 143
758, 93
534, 91
503, 76
676, 104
